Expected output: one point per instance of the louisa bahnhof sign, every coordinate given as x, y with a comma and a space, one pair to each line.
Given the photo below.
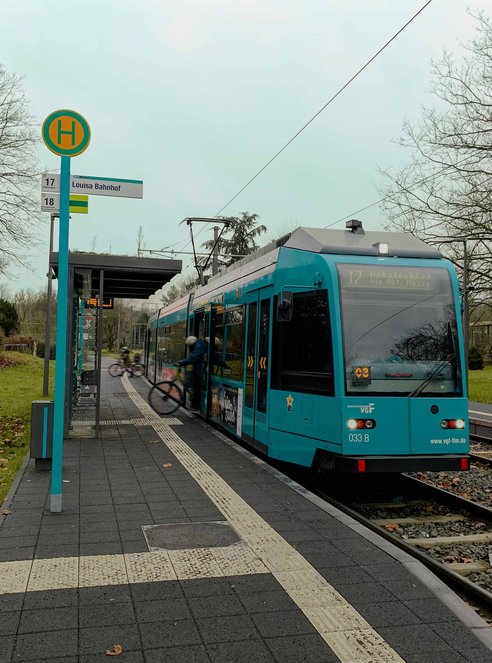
95, 186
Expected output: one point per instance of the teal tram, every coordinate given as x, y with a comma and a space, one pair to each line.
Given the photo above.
332, 349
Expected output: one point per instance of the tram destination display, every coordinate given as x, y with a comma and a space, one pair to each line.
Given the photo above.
411, 279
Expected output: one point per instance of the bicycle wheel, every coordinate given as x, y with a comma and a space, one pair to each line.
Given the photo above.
115, 370
137, 370
165, 397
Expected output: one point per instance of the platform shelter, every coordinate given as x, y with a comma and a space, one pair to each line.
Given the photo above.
95, 281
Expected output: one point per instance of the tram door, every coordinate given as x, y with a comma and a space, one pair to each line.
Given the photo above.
200, 328
257, 354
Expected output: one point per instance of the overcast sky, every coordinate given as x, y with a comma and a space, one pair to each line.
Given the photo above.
194, 96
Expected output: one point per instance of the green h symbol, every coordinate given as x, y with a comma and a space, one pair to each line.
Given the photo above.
70, 133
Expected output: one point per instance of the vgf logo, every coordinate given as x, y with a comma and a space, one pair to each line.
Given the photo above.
364, 409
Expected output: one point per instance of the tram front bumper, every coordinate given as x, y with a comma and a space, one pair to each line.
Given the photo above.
375, 464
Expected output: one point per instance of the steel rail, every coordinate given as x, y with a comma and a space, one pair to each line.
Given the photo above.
480, 596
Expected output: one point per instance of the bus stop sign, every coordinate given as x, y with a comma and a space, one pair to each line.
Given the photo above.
66, 133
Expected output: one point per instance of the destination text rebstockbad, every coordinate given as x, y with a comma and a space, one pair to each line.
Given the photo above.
95, 186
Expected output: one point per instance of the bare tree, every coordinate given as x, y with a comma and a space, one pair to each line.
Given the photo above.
140, 241
19, 209
446, 189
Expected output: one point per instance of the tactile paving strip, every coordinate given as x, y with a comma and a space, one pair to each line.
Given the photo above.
346, 632
106, 570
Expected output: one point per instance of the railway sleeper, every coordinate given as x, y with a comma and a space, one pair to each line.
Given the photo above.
451, 540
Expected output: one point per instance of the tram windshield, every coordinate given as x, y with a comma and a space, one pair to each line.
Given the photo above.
399, 331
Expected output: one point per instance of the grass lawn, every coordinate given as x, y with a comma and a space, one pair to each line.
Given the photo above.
480, 385
21, 382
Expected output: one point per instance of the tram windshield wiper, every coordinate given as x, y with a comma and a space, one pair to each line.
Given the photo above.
429, 378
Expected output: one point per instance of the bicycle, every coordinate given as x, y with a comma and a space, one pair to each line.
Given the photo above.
119, 368
165, 397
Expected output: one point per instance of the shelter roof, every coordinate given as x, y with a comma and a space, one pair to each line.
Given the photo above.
125, 277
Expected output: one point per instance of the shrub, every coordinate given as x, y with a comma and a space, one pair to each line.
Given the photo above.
40, 350
23, 343
475, 359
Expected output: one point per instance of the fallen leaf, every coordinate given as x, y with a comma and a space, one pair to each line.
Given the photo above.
116, 651
391, 527
5, 512
167, 465
3, 461
467, 560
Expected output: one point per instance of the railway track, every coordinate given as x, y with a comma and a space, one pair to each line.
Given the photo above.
448, 533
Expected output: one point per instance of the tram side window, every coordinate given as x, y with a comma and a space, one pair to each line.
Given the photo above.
234, 343
302, 347
171, 346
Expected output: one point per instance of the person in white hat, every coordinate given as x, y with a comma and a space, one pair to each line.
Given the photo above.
195, 360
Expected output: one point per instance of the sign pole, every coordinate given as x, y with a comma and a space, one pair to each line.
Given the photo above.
61, 339
47, 334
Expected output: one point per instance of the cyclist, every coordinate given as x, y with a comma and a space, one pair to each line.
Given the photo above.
195, 360
125, 356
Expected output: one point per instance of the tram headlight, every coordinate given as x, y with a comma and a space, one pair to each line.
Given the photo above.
352, 424
453, 423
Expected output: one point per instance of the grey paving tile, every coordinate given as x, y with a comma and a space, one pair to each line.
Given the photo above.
366, 592
16, 554
127, 656
322, 560
154, 611
9, 602
56, 644
107, 594
435, 657
268, 601
6, 648
255, 583
345, 575
206, 587
102, 536
415, 638
391, 572
9, 622
227, 629
50, 551
112, 548
43, 600
282, 623
209, 606
18, 541
192, 654
457, 636
301, 649
64, 659
391, 613
169, 633
48, 619
106, 614
98, 639
245, 651
406, 590
430, 611
156, 591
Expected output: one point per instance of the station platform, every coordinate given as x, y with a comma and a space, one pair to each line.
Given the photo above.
177, 545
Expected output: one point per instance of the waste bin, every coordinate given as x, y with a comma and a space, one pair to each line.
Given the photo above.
42, 433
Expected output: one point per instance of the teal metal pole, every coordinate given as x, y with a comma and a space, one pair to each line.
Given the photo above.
61, 340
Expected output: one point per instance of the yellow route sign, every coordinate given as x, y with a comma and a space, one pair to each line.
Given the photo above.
66, 133
78, 204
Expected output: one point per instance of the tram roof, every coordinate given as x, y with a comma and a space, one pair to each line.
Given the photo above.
345, 242
125, 277
342, 242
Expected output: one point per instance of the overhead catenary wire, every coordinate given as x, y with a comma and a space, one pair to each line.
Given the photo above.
332, 98
390, 195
